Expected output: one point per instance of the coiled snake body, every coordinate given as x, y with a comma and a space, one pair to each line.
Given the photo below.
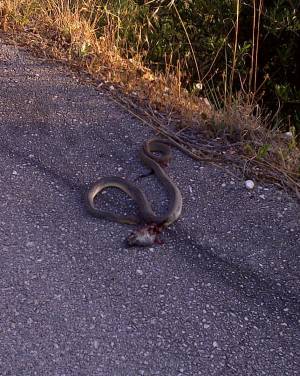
154, 223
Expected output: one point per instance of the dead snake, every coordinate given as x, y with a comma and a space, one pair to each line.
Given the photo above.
146, 214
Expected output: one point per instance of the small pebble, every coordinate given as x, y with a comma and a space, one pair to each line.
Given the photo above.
288, 135
249, 184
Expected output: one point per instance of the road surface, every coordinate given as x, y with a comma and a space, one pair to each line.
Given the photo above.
219, 297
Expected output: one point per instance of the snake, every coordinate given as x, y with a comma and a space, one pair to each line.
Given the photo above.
146, 214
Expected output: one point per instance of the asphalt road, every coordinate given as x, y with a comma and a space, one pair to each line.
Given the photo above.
219, 297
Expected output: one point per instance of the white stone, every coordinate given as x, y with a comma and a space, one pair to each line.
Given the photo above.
288, 135
249, 184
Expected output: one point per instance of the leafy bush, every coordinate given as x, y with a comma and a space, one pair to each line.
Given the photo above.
227, 46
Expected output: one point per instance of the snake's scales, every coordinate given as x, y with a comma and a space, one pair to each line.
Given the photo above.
146, 214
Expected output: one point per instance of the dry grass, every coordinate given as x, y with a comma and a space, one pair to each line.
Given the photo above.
69, 30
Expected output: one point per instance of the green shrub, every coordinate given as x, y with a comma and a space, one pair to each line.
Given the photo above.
200, 37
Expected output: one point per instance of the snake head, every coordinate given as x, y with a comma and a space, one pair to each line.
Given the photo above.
145, 236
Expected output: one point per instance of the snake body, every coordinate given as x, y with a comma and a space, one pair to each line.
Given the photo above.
146, 214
